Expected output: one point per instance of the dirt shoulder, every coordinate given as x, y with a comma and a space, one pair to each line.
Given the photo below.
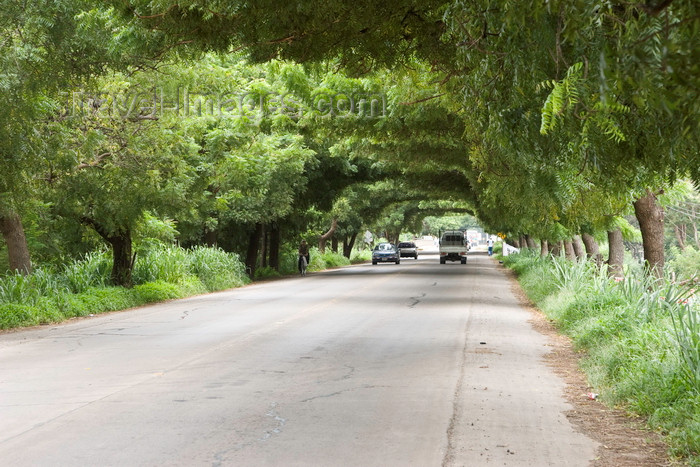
624, 440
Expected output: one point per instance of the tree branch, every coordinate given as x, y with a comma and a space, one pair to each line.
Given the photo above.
423, 100
654, 10
95, 163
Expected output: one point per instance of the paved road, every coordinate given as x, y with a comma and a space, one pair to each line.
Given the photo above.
417, 364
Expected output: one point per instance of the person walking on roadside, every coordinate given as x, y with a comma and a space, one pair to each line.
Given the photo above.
489, 242
303, 253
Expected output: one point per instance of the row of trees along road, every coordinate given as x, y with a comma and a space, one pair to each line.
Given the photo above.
547, 121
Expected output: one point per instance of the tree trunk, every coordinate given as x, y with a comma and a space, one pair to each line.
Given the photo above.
591, 245
16, 241
210, 237
544, 248
251, 258
121, 243
324, 238
123, 264
348, 245
263, 249
569, 250
680, 231
530, 242
523, 241
651, 222
579, 250
334, 244
616, 255
556, 249
275, 246
592, 249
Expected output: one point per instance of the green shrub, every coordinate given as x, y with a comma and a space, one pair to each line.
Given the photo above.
79, 289
72, 305
497, 248
14, 315
93, 270
93, 301
191, 285
288, 262
49, 310
48, 282
317, 262
165, 263
360, 256
684, 264
17, 288
157, 291
217, 269
332, 259
266, 273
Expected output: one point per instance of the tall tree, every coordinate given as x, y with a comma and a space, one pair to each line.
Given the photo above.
48, 47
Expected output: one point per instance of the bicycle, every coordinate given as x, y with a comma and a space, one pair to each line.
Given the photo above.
302, 265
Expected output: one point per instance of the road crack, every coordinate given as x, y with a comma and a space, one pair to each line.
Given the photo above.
272, 413
417, 300
343, 391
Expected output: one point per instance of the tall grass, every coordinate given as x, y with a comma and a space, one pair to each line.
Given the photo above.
93, 270
641, 339
216, 269
329, 259
686, 327
81, 287
319, 262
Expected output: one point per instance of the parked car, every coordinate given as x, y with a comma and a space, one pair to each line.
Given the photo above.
385, 253
408, 249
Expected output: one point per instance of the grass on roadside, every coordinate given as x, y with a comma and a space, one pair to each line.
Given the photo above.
641, 340
319, 262
162, 272
80, 288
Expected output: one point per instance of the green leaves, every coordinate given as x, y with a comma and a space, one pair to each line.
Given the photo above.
564, 95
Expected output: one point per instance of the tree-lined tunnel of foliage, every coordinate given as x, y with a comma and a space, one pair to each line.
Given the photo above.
137, 134
251, 124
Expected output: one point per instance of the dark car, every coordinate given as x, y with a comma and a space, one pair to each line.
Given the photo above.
385, 253
408, 249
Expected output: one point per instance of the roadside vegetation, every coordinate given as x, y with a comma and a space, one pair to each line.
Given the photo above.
640, 336
319, 262
236, 129
81, 287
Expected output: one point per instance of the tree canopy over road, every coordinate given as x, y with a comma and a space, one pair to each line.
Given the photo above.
156, 149
253, 123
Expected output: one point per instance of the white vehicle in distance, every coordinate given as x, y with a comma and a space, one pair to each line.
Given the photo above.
453, 246
408, 249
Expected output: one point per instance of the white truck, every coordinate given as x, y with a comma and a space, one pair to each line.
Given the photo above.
453, 246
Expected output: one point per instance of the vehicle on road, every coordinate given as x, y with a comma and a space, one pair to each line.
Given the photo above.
302, 265
408, 249
453, 246
386, 253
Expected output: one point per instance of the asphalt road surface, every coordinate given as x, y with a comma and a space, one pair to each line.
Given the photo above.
417, 364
